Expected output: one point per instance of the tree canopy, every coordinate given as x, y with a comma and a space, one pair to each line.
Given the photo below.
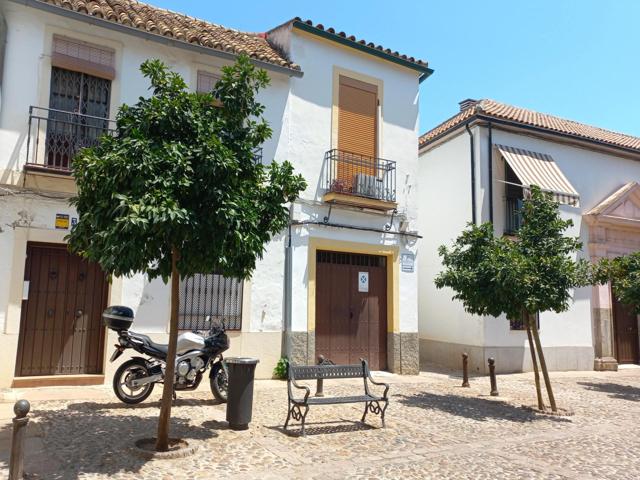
534, 272
181, 171
624, 275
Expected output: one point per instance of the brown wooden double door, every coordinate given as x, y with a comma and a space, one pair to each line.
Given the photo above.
60, 329
351, 323
625, 324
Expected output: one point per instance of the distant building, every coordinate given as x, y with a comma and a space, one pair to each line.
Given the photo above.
343, 111
476, 167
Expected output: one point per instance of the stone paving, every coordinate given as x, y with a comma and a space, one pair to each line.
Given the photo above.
435, 429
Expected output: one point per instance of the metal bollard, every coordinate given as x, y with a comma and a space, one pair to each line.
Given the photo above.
16, 461
492, 376
465, 369
319, 381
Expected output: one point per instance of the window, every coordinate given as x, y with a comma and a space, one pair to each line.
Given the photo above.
210, 295
206, 81
78, 113
514, 202
521, 323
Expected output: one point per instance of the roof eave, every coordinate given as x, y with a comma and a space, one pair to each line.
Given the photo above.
118, 27
479, 117
425, 71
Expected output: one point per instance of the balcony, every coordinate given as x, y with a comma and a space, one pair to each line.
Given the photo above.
513, 215
56, 137
360, 181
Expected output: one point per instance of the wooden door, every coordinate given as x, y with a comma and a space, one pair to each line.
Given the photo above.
625, 324
357, 130
60, 329
350, 323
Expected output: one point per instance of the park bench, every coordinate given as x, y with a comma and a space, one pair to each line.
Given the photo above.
299, 407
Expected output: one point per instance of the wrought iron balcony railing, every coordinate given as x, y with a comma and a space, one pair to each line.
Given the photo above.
513, 215
56, 136
360, 175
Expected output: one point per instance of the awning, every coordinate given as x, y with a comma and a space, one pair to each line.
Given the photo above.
533, 168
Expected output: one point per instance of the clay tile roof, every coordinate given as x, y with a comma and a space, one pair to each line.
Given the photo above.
328, 32
542, 121
166, 23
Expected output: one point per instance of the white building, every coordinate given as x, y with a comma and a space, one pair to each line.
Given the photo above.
340, 282
472, 169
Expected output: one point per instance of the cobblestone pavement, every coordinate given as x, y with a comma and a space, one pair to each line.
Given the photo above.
435, 429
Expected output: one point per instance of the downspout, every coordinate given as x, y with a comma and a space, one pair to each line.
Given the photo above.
490, 157
288, 272
473, 174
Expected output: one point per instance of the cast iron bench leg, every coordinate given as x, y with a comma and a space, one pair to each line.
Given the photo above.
384, 409
366, 409
288, 415
304, 418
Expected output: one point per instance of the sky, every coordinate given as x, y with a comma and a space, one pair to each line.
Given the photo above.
577, 59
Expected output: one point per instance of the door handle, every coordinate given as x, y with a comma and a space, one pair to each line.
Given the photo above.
79, 313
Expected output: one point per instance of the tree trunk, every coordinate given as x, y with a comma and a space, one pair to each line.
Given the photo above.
531, 319
543, 366
162, 442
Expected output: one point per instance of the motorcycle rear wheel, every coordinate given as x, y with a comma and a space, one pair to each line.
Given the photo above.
219, 382
130, 370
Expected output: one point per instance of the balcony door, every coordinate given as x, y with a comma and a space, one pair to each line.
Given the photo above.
78, 103
357, 133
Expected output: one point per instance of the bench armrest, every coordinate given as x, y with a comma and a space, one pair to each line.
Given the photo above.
381, 384
301, 387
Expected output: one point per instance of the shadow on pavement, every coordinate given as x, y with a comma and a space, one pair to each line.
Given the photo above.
479, 409
324, 428
84, 438
180, 402
622, 392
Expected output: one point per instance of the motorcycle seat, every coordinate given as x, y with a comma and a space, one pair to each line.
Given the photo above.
153, 348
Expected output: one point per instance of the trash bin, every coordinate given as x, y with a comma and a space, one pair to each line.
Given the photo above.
241, 372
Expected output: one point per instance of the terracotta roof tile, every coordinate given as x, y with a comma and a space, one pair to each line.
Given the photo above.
178, 26
492, 109
362, 42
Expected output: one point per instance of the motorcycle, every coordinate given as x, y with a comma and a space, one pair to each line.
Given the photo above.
134, 380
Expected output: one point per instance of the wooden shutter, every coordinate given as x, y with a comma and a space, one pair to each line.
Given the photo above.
357, 117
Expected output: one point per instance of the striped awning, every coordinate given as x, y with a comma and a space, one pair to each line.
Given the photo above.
533, 168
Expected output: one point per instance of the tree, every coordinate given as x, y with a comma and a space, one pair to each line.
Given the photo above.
624, 275
518, 277
178, 191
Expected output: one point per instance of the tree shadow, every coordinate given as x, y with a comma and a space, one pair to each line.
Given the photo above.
180, 402
479, 409
623, 392
85, 438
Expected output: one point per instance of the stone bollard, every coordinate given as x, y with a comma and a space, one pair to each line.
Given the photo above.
465, 369
319, 382
16, 461
492, 376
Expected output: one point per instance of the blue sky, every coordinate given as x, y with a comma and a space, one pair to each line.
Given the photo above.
578, 59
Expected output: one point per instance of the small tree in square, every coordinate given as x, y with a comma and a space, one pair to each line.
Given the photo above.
178, 191
535, 272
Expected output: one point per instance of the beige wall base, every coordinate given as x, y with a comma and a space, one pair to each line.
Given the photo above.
508, 359
57, 381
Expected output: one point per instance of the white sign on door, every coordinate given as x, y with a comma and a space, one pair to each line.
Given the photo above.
363, 281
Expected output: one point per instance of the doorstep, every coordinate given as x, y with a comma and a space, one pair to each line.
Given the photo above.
57, 381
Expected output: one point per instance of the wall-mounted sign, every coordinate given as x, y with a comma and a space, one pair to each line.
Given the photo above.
62, 221
407, 261
74, 221
363, 281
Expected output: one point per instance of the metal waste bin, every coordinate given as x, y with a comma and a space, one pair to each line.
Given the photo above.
241, 372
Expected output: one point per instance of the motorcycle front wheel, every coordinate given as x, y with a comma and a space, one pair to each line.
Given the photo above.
219, 382
128, 371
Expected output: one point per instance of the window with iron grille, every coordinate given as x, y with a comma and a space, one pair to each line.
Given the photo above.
212, 295
521, 322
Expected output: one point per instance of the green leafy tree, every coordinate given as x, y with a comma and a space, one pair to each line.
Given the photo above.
624, 275
535, 272
178, 191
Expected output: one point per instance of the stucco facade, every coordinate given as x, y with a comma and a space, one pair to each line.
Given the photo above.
300, 109
579, 339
